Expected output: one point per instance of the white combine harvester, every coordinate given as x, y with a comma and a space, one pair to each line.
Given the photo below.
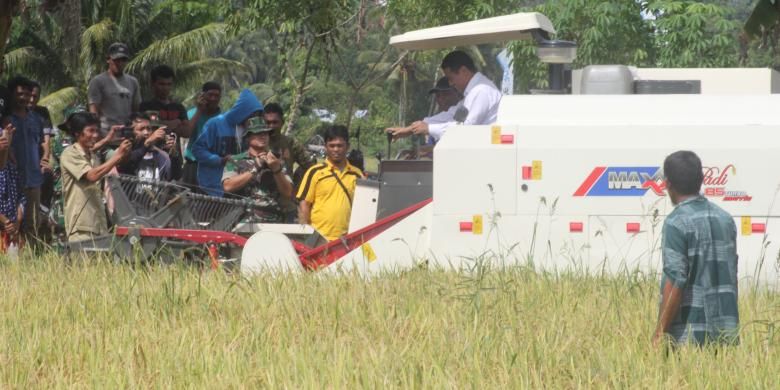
564, 181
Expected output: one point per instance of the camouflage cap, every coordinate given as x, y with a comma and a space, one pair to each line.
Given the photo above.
256, 126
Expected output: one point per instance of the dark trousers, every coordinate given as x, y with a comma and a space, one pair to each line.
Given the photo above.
189, 174
32, 219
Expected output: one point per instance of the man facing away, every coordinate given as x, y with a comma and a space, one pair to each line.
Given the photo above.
220, 139
699, 248
85, 215
478, 107
259, 174
327, 189
114, 95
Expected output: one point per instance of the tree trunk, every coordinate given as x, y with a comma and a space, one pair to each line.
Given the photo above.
7, 10
70, 16
300, 89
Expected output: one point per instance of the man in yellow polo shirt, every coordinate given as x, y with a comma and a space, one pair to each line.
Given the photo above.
327, 188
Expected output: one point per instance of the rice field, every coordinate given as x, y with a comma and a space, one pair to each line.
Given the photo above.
101, 325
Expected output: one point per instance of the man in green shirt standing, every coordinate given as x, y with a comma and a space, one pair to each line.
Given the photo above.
206, 107
699, 248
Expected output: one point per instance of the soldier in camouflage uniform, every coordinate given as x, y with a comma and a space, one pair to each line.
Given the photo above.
292, 151
259, 174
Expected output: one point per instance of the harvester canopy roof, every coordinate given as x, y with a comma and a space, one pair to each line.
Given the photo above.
498, 29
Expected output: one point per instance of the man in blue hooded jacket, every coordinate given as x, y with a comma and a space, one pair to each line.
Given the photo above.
221, 138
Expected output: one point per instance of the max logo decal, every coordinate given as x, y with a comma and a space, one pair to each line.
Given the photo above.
622, 181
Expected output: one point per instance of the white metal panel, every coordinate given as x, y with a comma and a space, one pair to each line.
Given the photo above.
363, 206
605, 110
617, 250
472, 175
736, 159
714, 81
400, 247
498, 29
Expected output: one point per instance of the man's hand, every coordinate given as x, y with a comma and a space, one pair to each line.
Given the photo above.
11, 228
201, 102
156, 136
400, 132
419, 128
8, 132
170, 144
113, 130
123, 149
273, 162
227, 158
45, 166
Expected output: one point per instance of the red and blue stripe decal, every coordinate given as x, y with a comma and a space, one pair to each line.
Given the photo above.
622, 181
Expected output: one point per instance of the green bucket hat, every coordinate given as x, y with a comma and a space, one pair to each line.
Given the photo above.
67, 113
256, 126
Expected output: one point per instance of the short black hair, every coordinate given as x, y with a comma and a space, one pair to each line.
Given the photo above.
19, 81
16, 82
162, 72
209, 85
34, 84
683, 172
274, 108
455, 59
78, 121
139, 115
336, 131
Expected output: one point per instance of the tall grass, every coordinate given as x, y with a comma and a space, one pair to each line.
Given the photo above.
110, 326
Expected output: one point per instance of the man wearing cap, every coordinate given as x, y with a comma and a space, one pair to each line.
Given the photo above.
85, 215
146, 160
259, 174
478, 107
114, 95
221, 138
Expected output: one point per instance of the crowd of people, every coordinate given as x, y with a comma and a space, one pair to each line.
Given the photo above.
241, 151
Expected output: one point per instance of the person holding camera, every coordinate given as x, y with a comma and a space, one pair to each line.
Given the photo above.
85, 215
147, 160
259, 173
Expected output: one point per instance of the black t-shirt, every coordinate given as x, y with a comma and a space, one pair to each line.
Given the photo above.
169, 112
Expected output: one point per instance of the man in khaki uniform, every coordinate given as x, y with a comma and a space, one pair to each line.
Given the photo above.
85, 216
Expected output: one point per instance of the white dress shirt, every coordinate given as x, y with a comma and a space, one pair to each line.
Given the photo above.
480, 98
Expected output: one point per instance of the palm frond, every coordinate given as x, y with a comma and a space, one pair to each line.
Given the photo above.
59, 100
190, 76
180, 49
94, 41
24, 60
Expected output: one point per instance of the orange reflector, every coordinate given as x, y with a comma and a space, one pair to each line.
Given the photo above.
758, 228
575, 227
527, 172
632, 227
466, 226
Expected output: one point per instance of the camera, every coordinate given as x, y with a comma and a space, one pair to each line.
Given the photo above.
127, 132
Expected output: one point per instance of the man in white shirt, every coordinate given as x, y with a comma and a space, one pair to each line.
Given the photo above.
478, 107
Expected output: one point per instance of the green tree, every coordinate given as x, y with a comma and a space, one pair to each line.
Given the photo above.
64, 57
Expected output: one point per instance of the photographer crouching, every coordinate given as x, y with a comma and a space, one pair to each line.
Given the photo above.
148, 158
259, 173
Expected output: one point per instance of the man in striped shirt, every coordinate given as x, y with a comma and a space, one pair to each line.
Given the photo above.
699, 283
